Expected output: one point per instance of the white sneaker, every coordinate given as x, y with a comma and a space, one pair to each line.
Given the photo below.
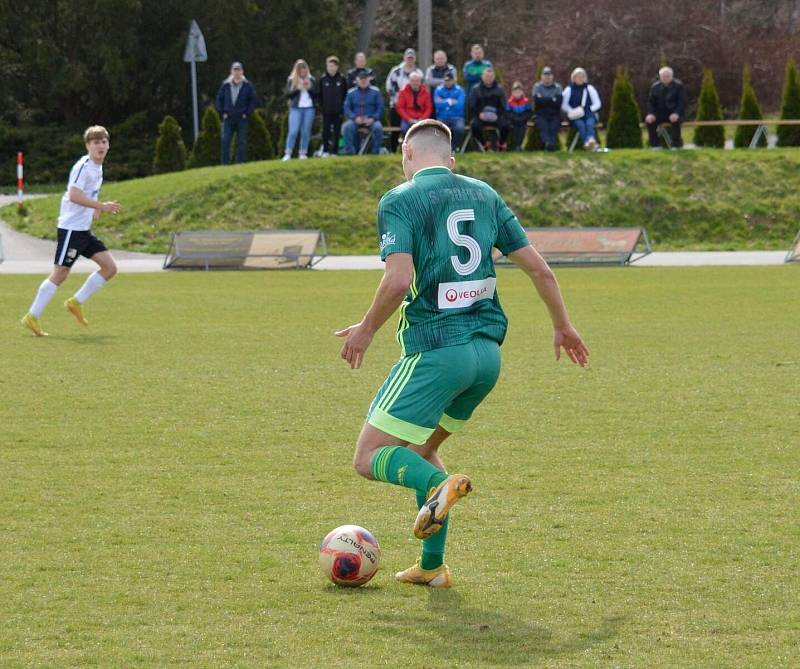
325, 154
287, 156
303, 156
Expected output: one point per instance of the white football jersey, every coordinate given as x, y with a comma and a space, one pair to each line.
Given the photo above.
88, 176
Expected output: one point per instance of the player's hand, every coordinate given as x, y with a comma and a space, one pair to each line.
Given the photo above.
569, 339
111, 207
358, 339
97, 213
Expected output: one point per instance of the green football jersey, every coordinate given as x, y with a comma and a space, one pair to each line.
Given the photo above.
449, 224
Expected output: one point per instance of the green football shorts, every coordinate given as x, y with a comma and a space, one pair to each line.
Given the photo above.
438, 387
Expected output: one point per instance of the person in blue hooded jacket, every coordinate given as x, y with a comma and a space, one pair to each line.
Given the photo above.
449, 102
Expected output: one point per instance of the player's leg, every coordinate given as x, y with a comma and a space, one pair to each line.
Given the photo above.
67, 252
98, 253
485, 365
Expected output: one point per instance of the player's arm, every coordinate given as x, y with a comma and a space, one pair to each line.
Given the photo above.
77, 196
565, 335
392, 289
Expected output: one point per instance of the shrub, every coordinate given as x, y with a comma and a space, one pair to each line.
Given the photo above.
206, 150
748, 110
259, 142
170, 150
708, 109
789, 135
623, 118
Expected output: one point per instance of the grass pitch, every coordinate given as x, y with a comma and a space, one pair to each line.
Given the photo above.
166, 477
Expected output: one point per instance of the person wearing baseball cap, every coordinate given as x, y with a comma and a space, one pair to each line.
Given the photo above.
236, 100
396, 82
546, 97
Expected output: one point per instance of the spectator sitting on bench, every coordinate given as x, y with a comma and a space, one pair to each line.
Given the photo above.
449, 101
359, 65
666, 104
473, 69
363, 108
487, 103
518, 108
434, 75
581, 104
396, 82
547, 99
413, 102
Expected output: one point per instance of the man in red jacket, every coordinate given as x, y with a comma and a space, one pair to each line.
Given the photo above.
413, 102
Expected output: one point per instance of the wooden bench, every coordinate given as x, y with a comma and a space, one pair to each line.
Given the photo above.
366, 136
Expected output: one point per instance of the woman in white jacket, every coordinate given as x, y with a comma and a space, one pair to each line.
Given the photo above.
581, 102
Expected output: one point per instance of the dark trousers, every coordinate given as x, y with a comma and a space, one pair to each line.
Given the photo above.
501, 125
394, 120
331, 129
674, 128
518, 130
231, 125
548, 127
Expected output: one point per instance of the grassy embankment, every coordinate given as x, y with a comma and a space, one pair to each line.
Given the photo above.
686, 200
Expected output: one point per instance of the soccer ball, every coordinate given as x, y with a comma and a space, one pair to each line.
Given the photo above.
349, 555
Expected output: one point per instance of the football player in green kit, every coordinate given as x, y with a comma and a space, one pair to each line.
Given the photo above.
437, 232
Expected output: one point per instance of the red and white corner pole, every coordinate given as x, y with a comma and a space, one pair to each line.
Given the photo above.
20, 183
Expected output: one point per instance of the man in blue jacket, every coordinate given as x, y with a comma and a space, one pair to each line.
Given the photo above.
449, 101
236, 100
363, 108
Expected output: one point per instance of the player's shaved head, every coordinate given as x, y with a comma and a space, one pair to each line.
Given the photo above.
430, 136
427, 144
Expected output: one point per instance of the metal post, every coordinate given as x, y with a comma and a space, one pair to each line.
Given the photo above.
194, 100
20, 182
425, 34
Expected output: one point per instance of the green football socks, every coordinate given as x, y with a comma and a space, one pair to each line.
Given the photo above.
433, 546
402, 466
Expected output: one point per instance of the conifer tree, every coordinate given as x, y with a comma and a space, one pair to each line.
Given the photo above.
708, 109
170, 149
789, 135
206, 150
749, 110
259, 142
623, 119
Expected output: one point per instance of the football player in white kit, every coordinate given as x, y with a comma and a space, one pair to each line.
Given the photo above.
79, 208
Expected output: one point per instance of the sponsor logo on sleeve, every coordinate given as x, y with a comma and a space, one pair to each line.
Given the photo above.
458, 294
387, 239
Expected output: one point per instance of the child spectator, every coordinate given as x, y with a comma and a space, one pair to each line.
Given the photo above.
519, 112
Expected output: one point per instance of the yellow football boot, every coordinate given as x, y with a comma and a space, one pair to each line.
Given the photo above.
434, 578
76, 309
440, 500
32, 323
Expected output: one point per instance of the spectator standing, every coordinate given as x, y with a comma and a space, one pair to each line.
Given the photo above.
301, 90
363, 108
474, 68
236, 100
450, 101
359, 66
547, 99
396, 82
581, 103
666, 104
332, 92
487, 103
519, 112
434, 75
